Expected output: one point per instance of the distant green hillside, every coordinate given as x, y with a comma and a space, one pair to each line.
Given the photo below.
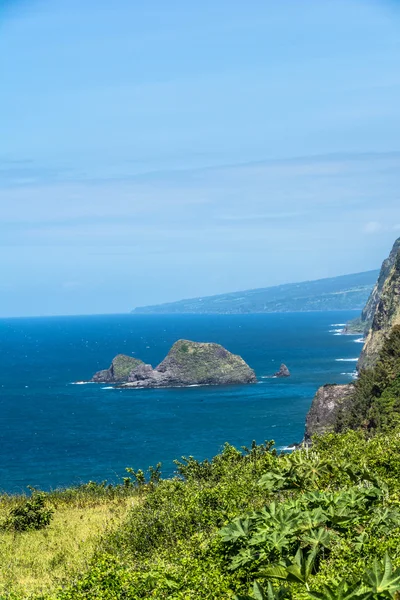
334, 293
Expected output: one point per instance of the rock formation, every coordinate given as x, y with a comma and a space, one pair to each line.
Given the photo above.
329, 400
118, 371
283, 371
363, 323
187, 363
386, 316
380, 315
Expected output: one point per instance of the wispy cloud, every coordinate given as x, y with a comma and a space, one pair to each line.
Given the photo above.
259, 217
376, 227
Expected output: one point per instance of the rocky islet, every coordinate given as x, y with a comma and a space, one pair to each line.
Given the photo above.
187, 363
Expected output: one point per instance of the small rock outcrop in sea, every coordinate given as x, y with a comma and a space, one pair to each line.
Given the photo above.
329, 400
187, 363
118, 371
283, 371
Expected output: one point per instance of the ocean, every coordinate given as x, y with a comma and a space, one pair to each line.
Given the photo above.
55, 433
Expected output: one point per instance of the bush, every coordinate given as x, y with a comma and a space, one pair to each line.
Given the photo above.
30, 514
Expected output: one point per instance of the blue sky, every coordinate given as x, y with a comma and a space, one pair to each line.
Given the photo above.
155, 151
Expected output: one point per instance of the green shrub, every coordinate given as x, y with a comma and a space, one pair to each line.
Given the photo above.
31, 513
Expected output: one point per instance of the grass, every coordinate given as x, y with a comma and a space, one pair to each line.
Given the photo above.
35, 562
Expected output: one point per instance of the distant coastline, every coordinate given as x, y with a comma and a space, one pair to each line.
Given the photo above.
345, 292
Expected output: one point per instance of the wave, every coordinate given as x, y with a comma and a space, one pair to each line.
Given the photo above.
359, 341
82, 382
346, 359
353, 374
335, 330
338, 324
107, 387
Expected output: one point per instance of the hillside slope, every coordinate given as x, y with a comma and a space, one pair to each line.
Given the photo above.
334, 293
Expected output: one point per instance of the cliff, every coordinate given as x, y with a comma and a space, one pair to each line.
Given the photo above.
385, 317
187, 363
363, 323
329, 401
372, 402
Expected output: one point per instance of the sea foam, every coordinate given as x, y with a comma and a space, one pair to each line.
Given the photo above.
346, 359
353, 374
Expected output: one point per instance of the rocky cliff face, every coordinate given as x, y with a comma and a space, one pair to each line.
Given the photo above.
363, 323
386, 315
380, 315
187, 363
325, 408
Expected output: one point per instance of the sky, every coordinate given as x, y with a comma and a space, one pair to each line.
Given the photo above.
153, 151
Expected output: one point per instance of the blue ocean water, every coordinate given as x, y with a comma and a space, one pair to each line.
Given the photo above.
54, 433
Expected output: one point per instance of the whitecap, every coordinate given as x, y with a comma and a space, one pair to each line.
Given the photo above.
338, 324
359, 341
346, 359
81, 382
108, 387
353, 374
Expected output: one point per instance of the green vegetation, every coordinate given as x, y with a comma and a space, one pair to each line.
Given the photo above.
34, 562
335, 293
190, 362
250, 524
375, 404
122, 365
321, 523
29, 513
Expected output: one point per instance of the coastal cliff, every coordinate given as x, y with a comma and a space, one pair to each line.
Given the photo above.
329, 401
373, 401
386, 316
187, 363
363, 323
